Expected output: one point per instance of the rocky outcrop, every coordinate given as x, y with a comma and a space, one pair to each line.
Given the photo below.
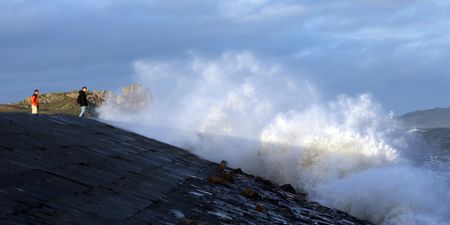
133, 98
66, 170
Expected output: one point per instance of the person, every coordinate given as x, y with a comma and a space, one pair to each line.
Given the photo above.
82, 100
35, 102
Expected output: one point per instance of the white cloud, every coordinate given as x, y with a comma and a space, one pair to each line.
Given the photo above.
258, 10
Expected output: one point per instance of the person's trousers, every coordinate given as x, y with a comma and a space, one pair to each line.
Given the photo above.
34, 109
83, 110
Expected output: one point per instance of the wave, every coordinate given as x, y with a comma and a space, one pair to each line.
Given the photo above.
346, 153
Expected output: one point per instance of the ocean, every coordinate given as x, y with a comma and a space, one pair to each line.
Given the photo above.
433, 150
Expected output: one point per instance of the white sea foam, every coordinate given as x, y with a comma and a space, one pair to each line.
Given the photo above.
346, 153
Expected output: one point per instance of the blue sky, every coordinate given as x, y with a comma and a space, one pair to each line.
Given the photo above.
396, 50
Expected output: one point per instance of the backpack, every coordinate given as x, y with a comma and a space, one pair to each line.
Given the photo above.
79, 99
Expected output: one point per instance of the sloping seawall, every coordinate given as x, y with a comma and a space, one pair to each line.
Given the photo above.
67, 170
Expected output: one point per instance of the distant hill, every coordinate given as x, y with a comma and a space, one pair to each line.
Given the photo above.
431, 118
134, 97
58, 103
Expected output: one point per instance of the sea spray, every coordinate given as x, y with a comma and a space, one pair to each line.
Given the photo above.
343, 138
346, 153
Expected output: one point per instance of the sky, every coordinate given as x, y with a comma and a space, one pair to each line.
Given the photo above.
395, 50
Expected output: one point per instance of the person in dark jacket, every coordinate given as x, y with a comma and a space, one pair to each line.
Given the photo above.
82, 100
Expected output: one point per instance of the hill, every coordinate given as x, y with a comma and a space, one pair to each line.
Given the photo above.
133, 97
58, 103
431, 118
67, 170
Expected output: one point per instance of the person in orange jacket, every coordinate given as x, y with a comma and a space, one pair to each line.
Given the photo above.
35, 102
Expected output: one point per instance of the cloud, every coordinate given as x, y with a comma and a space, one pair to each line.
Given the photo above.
258, 10
335, 42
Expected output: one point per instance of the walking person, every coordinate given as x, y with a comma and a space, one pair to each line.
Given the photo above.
82, 100
35, 102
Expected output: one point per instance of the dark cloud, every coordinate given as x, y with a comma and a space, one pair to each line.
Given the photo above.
388, 48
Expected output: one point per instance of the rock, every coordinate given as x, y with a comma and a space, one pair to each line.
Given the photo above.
215, 179
221, 167
237, 171
228, 177
98, 97
288, 188
260, 208
187, 221
221, 178
135, 97
264, 181
251, 194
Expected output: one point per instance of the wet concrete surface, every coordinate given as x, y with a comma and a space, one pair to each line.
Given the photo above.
66, 170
